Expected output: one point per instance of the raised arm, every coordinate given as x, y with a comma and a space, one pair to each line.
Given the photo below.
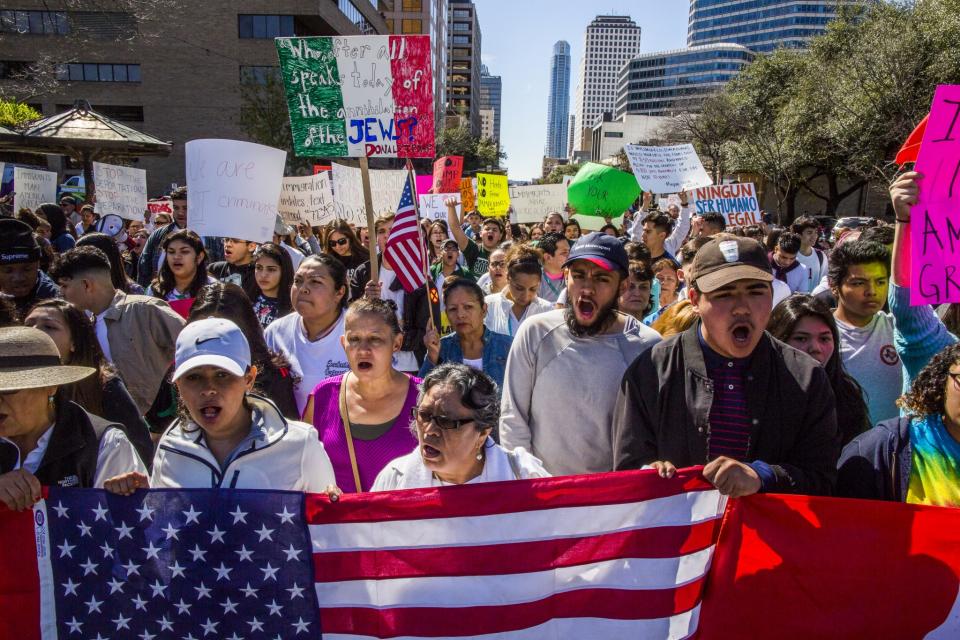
453, 221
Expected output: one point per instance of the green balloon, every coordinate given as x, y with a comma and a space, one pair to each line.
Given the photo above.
599, 190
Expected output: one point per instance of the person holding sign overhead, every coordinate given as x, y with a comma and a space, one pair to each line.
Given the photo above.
476, 255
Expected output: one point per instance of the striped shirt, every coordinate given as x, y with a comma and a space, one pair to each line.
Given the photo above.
729, 415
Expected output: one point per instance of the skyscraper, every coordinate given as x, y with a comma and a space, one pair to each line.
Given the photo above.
463, 70
609, 42
558, 104
491, 92
426, 17
761, 25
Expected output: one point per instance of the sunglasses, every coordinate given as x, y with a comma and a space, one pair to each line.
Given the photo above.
442, 422
338, 243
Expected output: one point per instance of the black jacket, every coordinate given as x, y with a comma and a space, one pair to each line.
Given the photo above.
876, 465
71, 456
242, 275
415, 312
119, 408
277, 385
663, 412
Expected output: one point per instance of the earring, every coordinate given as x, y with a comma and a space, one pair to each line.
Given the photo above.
480, 455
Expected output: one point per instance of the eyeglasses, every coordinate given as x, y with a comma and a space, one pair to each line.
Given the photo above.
338, 243
442, 422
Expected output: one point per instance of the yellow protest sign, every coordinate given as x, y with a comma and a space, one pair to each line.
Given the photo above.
493, 194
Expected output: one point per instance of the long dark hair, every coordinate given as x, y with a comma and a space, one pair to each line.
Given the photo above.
221, 300
852, 416
56, 217
279, 255
118, 275
342, 227
88, 393
164, 283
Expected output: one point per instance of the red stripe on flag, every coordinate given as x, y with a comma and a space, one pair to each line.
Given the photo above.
617, 604
19, 578
520, 557
492, 498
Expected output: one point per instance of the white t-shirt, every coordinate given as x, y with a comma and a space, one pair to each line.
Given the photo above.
475, 363
814, 270
870, 357
500, 317
309, 361
100, 326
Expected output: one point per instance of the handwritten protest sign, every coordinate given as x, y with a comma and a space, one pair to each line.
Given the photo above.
307, 199
667, 169
33, 188
121, 191
737, 202
599, 190
386, 186
446, 174
432, 205
531, 203
234, 188
359, 96
160, 205
468, 198
935, 225
424, 184
493, 195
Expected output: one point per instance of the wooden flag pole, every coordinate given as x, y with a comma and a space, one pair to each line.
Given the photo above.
371, 228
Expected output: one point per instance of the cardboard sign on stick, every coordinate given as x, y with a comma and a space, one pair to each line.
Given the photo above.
493, 195
307, 199
33, 188
737, 202
234, 188
667, 169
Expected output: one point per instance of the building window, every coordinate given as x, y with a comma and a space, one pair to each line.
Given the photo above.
97, 72
412, 26
36, 22
251, 74
461, 39
265, 26
390, 24
354, 15
461, 26
412, 5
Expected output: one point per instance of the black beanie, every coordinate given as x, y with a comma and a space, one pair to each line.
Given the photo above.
17, 244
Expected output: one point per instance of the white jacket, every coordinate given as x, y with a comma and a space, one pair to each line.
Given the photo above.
278, 454
500, 318
409, 472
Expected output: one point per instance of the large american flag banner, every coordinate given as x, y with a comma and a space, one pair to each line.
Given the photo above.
404, 249
620, 555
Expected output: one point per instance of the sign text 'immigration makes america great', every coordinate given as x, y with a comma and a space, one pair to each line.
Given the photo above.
359, 96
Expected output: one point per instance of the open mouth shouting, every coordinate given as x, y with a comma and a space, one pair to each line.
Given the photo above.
741, 333
210, 413
586, 310
364, 365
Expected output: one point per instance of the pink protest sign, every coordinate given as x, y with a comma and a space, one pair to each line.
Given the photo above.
424, 183
935, 219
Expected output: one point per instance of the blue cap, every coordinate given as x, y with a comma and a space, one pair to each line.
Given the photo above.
603, 250
215, 342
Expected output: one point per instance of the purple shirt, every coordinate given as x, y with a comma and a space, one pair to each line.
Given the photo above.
372, 455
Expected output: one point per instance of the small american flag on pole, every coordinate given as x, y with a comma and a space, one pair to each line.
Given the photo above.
403, 249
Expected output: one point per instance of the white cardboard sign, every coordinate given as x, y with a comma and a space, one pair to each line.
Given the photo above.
121, 191
386, 187
667, 169
531, 203
307, 199
33, 188
432, 205
234, 188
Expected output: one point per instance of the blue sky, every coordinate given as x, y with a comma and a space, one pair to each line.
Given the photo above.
517, 42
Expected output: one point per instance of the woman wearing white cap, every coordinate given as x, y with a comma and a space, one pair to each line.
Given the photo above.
227, 436
46, 441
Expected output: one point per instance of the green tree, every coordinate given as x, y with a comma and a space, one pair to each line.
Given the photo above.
264, 118
557, 174
478, 153
14, 114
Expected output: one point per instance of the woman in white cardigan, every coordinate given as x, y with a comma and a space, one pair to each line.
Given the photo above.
455, 414
518, 300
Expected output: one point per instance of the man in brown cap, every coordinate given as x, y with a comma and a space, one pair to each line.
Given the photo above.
759, 414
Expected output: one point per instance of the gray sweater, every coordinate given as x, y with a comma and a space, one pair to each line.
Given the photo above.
559, 392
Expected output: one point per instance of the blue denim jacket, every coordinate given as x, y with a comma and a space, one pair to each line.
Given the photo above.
496, 346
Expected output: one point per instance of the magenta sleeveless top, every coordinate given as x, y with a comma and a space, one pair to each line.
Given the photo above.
372, 455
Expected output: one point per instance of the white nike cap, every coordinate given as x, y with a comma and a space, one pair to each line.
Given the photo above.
215, 342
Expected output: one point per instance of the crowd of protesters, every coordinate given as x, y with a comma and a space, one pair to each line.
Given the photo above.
781, 359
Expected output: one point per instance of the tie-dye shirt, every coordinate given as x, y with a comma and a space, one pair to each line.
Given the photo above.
935, 474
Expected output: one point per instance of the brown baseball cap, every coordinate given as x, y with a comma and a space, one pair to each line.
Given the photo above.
728, 258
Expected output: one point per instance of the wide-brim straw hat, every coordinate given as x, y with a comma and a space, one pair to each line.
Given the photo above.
29, 359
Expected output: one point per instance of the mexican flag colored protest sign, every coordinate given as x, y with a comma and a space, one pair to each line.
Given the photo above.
359, 96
